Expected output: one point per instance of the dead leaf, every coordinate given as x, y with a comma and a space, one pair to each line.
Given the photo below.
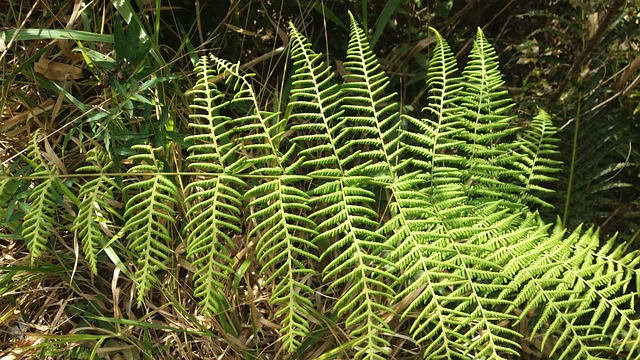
54, 70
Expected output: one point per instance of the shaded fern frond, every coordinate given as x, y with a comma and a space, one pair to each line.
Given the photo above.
94, 210
149, 213
40, 220
539, 146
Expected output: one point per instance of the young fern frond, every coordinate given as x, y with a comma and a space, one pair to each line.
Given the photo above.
93, 212
214, 200
149, 214
40, 220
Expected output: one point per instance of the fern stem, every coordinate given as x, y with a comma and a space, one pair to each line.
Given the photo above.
574, 152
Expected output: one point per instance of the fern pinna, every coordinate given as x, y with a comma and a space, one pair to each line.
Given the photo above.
393, 232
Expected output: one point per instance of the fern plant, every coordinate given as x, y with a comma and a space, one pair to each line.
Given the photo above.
378, 222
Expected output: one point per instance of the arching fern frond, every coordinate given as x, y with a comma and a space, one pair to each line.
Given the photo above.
149, 213
95, 208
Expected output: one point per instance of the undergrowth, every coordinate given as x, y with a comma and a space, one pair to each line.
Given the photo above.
385, 234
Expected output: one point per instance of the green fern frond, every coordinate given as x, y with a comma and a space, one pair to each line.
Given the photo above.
284, 234
214, 149
489, 168
259, 133
93, 212
538, 145
371, 116
40, 220
214, 216
433, 141
214, 203
315, 101
560, 279
149, 213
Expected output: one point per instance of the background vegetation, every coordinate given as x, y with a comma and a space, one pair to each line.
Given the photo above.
122, 82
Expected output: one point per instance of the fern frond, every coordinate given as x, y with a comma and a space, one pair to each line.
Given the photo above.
259, 133
214, 201
40, 220
214, 150
315, 101
371, 115
538, 145
214, 216
284, 243
560, 279
278, 208
149, 212
433, 141
94, 209
489, 168
347, 228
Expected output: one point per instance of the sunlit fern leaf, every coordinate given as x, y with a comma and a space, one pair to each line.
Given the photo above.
95, 207
453, 287
40, 220
214, 150
149, 213
563, 281
283, 233
214, 199
347, 225
258, 133
371, 115
489, 161
539, 146
214, 216
313, 109
433, 140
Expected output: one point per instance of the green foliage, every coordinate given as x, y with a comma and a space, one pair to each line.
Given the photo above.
149, 214
95, 196
40, 219
370, 221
